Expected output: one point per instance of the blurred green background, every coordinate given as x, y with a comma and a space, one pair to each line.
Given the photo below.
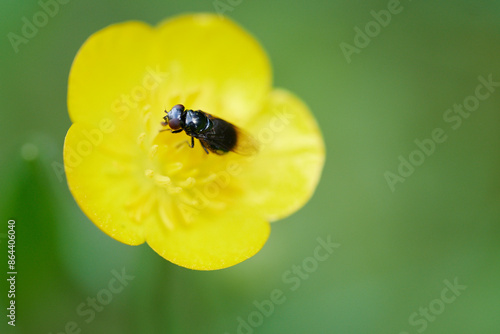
397, 248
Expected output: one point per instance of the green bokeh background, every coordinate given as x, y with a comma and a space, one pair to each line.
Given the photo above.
396, 247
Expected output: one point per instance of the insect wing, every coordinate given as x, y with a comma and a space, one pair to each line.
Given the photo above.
246, 144
225, 137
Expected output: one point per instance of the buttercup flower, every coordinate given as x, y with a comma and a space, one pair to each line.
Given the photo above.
137, 184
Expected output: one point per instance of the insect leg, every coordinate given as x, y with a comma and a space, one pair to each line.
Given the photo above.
173, 131
202, 145
181, 144
192, 142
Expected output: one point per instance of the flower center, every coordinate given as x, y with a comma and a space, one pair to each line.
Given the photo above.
180, 181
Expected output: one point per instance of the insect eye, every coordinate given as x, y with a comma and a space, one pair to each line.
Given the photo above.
174, 117
174, 124
179, 107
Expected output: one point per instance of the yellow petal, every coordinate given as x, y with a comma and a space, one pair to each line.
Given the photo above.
285, 173
101, 181
111, 71
108, 184
214, 240
213, 65
128, 67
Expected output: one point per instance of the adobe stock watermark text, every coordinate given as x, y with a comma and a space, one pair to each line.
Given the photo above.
453, 117
293, 279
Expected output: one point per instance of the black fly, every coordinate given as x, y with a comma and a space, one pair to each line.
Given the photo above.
215, 134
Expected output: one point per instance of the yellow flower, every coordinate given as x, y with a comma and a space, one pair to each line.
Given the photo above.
197, 210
